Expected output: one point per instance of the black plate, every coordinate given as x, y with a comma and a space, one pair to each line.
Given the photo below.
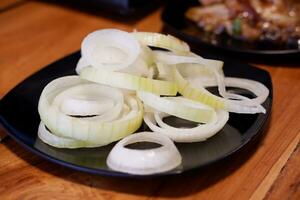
19, 116
176, 23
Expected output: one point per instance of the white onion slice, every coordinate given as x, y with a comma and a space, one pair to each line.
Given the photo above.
138, 68
194, 65
164, 71
194, 70
79, 113
162, 41
79, 106
128, 81
107, 126
197, 134
242, 104
61, 142
205, 66
171, 58
82, 63
197, 92
110, 49
90, 99
179, 107
146, 161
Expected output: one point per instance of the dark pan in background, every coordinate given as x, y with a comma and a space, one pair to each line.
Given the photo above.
119, 9
175, 23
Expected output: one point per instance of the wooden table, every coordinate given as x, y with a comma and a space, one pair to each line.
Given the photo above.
34, 34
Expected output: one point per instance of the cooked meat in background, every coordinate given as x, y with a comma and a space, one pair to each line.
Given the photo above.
252, 20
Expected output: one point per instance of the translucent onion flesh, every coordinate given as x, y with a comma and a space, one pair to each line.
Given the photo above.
60, 142
78, 111
179, 107
154, 121
127, 81
144, 161
110, 125
110, 49
196, 91
162, 41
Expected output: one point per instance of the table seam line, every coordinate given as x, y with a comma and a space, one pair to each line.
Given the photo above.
265, 185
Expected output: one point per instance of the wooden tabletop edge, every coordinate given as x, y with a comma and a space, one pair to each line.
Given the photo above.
264, 187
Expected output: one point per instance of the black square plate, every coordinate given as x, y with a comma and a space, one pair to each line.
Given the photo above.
19, 116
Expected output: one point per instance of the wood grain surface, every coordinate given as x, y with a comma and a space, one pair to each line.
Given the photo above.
9, 4
35, 34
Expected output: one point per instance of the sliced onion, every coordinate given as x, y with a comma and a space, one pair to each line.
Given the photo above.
194, 70
162, 41
61, 142
147, 55
110, 49
197, 92
79, 113
89, 99
127, 81
186, 65
194, 65
145, 161
164, 71
106, 126
197, 134
171, 58
258, 89
179, 107
138, 68
82, 63
242, 104
80, 106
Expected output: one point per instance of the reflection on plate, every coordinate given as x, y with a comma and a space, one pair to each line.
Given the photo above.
177, 24
18, 114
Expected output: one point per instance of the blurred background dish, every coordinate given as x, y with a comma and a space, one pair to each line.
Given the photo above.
128, 8
270, 21
248, 27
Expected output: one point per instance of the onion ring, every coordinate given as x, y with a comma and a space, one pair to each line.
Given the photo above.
145, 161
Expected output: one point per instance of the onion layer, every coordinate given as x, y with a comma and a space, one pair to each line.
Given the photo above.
197, 134
110, 49
196, 91
179, 107
162, 41
108, 125
79, 111
145, 161
127, 81
61, 142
